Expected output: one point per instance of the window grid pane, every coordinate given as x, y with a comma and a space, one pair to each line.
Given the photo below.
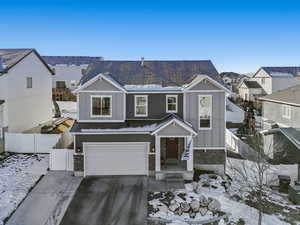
141, 105
101, 106
205, 112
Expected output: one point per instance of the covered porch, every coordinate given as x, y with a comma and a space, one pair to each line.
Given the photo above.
174, 149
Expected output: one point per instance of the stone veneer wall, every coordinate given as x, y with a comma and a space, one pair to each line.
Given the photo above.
78, 163
209, 157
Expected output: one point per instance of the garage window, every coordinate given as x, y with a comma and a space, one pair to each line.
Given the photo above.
101, 106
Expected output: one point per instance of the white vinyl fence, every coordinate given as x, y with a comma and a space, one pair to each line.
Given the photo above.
232, 141
30, 143
61, 159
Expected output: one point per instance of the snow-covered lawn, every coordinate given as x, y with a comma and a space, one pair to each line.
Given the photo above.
278, 210
18, 174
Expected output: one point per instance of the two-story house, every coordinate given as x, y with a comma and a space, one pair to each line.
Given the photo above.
68, 73
281, 122
273, 79
250, 90
25, 89
150, 118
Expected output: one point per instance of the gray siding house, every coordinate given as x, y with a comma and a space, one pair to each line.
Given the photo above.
150, 118
281, 120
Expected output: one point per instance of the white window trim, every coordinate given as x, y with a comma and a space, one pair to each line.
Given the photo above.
286, 109
139, 115
91, 106
211, 116
172, 96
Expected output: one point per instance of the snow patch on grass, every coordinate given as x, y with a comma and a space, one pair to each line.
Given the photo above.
18, 174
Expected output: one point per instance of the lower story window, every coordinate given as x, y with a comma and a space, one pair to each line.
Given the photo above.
101, 106
205, 111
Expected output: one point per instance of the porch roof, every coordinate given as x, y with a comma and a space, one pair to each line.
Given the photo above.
132, 126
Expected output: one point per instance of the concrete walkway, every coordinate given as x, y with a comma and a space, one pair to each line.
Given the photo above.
47, 202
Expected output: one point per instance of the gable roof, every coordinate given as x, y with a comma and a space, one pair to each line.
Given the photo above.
288, 96
71, 60
172, 118
288, 71
165, 73
10, 57
106, 77
200, 78
251, 84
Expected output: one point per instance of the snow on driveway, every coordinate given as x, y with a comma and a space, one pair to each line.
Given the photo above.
18, 174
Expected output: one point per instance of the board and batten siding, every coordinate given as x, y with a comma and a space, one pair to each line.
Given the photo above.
84, 99
207, 138
156, 105
273, 111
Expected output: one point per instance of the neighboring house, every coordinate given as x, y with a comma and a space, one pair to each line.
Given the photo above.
250, 90
68, 72
25, 90
273, 79
129, 123
281, 120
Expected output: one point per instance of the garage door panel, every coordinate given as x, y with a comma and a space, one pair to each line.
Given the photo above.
116, 159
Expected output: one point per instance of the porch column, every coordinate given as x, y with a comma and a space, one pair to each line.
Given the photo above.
190, 162
157, 153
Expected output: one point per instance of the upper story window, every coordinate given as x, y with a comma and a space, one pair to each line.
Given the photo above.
60, 84
28, 82
286, 111
263, 80
171, 103
101, 105
205, 111
141, 105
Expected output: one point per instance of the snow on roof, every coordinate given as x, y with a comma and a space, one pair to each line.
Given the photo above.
151, 87
147, 128
280, 74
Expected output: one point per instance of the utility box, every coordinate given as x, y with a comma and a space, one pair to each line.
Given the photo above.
284, 182
294, 193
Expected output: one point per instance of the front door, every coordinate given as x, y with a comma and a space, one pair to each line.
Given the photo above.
172, 150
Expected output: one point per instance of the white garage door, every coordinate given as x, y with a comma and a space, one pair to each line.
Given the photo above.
116, 158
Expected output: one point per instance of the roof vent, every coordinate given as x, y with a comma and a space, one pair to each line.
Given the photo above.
142, 61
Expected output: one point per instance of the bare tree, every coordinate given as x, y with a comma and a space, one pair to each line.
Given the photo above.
254, 177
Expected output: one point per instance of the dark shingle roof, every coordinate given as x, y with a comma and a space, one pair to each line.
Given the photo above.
276, 71
71, 60
10, 57
167, 73
252, 84
289, 95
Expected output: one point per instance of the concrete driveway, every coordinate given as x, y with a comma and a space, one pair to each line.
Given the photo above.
48, 201
109, 200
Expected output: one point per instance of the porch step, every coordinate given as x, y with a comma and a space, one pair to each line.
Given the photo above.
174, 181
173, 177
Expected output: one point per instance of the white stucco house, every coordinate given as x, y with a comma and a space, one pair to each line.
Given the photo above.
273, 79
68, 69
25, 90
250, 90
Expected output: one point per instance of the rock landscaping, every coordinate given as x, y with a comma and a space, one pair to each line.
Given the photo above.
184, 205
217, 200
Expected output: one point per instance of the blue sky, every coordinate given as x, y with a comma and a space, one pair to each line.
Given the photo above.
237, 36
